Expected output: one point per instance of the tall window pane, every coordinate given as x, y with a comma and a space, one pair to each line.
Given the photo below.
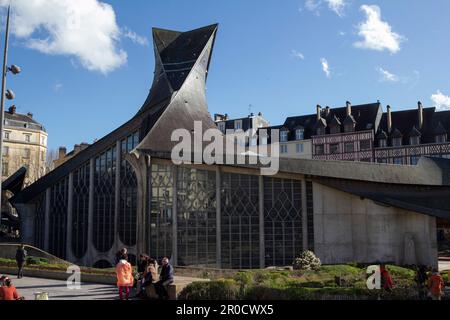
196, 217
240, 221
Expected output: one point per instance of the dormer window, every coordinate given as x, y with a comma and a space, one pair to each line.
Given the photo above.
349, 127
320, 131
397, 142
300, 134
414, 140
238, 125
222, 126
284, 136
382, 143
441, 138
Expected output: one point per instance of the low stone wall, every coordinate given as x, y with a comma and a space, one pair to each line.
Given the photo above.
60, 275
8, 251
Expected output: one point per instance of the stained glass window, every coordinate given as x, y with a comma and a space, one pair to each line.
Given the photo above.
128, 194
240, 221
58, 218
80, 210
282, 221
196, 217
104, 200
161, 211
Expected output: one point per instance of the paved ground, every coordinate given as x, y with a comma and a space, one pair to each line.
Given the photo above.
58, 290
444, 265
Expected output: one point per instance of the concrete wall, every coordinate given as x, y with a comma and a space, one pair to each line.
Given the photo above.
348, 228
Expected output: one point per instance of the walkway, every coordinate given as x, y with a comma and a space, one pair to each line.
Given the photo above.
58, 290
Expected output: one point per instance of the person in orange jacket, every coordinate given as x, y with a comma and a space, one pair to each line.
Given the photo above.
436, 285
125, 279
8, 292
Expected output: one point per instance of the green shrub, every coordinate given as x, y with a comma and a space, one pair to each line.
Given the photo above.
224, 289
307, 261
36, 261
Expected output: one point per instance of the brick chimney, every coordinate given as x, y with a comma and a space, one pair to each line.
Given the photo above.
420, 113
389, 119
12, 109
319, 112
62, 152
349, 108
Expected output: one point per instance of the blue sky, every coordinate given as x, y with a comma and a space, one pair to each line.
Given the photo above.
268, 55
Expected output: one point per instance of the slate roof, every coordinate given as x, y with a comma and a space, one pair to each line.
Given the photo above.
367, 117
406, 123
18, 120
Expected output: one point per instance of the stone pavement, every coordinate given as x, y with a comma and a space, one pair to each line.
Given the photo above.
58, 290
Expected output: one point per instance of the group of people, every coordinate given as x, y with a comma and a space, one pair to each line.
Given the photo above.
429, 286
147, 275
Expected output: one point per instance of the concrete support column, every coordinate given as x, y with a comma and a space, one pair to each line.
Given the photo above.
117, 196
175, 217
48, 193
304, 216
69, 254
91, 213
262, 248
218, 218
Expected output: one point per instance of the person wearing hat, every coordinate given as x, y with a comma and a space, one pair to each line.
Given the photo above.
8, 292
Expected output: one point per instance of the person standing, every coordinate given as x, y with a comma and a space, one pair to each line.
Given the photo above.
386, 279
125, 279
422, 281
21, 256
165, 279
436, 285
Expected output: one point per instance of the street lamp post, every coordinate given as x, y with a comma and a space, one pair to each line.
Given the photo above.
8, 94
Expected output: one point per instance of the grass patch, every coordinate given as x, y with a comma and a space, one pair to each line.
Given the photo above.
336, 281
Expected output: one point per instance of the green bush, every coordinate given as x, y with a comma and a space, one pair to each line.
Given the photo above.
36, 261
307, 261
224, 289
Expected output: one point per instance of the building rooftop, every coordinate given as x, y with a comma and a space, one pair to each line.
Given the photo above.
14, 119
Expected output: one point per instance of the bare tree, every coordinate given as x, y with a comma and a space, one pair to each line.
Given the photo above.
52, 155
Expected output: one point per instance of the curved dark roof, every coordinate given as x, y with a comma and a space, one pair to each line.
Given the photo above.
166, 100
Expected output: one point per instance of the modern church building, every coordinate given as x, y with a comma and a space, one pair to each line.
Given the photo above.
124, 191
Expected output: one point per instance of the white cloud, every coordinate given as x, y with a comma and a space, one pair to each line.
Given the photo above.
337, 6
298, 55
134, 37
386, 76
441, 100
312, 5
57, 87
325, 67
377, 34
87, 31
